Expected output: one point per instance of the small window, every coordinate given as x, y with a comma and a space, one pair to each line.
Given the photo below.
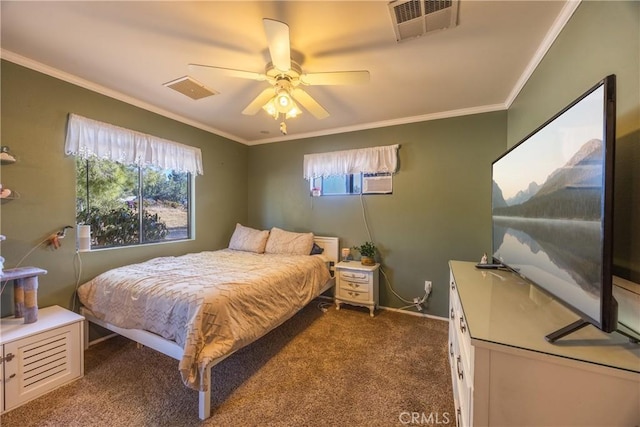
131, 205
336, 185
358, 183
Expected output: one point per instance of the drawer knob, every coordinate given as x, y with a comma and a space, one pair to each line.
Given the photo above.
9, 357
452, 315
463, 327
12, 376
451, 349
459, 368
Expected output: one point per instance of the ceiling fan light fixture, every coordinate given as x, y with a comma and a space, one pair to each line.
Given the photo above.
271, 109
282, 103
294, 111
283, 100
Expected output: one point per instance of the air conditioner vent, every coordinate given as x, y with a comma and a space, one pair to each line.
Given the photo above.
407, 11
435, 5
414, 18
190, 87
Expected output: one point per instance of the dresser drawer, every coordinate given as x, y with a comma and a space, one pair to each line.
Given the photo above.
459, 326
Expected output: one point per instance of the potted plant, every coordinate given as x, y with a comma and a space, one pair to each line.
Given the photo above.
367, 253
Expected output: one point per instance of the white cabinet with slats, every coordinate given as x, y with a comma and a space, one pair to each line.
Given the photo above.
39, 357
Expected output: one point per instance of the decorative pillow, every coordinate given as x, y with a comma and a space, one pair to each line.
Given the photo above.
248, 239
316, 249
288, 243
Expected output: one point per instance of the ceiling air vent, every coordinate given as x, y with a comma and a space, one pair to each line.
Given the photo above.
190, 87
414, 18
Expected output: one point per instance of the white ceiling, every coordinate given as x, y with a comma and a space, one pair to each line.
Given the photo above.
127, 50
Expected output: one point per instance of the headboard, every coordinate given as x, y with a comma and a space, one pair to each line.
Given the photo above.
331, 248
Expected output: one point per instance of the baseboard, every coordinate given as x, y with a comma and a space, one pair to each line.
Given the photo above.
414, 313
398, 310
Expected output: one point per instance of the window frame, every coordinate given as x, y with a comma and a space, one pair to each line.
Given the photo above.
353, 183
190, 192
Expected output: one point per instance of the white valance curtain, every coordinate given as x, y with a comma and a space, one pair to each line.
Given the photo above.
364, 160
90, 138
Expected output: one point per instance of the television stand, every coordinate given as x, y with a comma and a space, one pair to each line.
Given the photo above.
563, 332
504, 373
579, 324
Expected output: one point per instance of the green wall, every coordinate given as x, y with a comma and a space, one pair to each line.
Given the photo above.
34, 116
439, 209
602, 37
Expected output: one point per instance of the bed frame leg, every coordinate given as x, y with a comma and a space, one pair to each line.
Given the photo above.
204, 397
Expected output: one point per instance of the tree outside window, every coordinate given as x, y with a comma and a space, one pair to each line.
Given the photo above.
131, 205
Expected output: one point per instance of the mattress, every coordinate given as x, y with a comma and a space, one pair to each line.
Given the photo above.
209, 303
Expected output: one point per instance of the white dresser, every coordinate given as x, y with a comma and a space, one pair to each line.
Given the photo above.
357, 284
39, 357
505, 373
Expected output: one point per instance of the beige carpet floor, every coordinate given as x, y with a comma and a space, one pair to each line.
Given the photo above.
333, 368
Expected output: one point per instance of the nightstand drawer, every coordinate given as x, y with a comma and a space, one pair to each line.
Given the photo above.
355, 286
355, 276
353, 295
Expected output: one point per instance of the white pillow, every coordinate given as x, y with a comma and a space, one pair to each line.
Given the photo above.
288, 243
248, 239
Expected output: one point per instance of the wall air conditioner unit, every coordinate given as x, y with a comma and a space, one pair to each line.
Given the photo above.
414, 18
377, 183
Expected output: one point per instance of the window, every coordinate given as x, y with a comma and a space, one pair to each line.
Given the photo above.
131, 188
357, 183
132, 205
360, 171
336, 185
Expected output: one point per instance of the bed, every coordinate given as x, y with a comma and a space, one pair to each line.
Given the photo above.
200, 308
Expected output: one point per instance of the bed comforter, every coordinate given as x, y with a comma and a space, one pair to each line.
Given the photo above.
209, 303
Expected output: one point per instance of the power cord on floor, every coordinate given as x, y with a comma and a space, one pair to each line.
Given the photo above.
324, 306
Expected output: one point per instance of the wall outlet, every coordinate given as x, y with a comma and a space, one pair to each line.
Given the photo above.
427, 286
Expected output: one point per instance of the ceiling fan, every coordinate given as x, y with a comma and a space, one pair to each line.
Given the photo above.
286, 77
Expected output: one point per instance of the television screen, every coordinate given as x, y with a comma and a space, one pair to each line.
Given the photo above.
552, 206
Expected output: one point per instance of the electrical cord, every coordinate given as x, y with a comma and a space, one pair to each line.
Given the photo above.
414, 303
324, 306
79, 275
22, 260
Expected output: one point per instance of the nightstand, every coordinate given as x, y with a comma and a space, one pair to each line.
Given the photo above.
357, 284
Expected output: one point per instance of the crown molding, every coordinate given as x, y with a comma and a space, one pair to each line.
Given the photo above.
561, 20
94, 87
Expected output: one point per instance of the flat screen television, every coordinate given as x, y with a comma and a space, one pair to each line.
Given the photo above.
552, 208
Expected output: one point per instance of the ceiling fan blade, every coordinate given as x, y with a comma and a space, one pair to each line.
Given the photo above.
259, 101
335, 78
200, 68
309, 103
279, 44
